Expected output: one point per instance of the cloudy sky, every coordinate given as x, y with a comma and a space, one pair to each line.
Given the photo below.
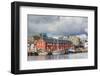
57, 25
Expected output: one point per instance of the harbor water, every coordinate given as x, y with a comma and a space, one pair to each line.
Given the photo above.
55, 57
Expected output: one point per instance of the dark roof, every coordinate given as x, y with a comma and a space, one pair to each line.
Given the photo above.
52, 40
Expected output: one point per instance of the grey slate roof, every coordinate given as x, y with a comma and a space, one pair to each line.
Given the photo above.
52, 40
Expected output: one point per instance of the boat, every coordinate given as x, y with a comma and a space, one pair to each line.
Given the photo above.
70, 50
56, 52
43, 53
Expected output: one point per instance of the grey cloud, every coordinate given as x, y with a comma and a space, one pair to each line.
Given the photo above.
41, 19
57, 24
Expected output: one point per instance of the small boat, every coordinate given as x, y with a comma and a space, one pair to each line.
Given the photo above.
43, 53
70, 50
56, 52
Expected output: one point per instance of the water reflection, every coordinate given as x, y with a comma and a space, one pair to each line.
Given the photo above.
52, 57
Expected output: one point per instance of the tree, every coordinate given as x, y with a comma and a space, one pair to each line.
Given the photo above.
36, 37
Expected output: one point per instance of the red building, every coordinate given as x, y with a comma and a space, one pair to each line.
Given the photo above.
52, 44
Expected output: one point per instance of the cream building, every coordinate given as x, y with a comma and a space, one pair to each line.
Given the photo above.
74, 39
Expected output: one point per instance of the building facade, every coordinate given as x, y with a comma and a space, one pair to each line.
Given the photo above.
51, 44
74, 39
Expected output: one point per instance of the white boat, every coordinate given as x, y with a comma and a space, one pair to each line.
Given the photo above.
71, 50
43, 53
56, 52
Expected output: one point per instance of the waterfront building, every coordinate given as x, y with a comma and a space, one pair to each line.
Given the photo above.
51, 44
